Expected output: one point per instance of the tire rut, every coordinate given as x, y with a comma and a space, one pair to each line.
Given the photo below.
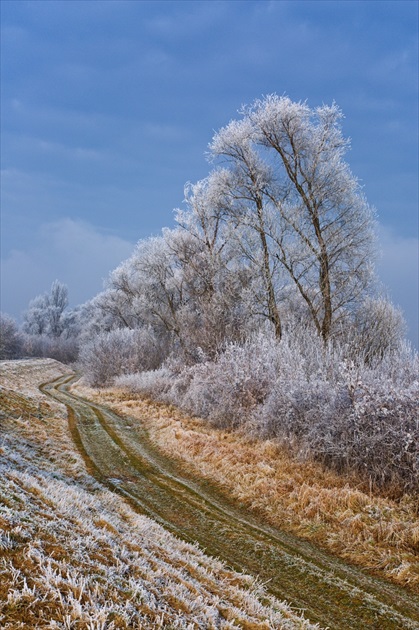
324, 588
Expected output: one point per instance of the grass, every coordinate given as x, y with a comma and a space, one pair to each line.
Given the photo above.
335, 511
75, 555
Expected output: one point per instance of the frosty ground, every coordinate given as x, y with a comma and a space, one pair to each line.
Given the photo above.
74, 555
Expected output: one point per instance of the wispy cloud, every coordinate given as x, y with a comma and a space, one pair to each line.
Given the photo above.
200, 18
75, 252
165, 132
63, 150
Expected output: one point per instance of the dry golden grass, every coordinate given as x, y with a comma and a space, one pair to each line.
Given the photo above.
75, 555
375, 532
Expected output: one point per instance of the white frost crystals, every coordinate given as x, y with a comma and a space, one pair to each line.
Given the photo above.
308, 209
316, 400
74, 555
274, 248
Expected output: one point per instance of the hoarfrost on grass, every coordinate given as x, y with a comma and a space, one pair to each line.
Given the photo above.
75, 555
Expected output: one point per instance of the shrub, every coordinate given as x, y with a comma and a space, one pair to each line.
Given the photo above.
64, 349
120, 351
151, 384
10, 338
359, 417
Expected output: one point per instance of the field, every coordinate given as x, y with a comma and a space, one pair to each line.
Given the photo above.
75, 555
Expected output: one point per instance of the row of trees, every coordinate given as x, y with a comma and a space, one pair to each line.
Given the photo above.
274, 249
279, 231
261, 308
48, 328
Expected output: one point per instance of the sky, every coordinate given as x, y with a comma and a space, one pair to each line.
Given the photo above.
108, 107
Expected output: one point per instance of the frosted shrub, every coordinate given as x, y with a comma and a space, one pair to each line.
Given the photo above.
10, 338
385, 425
356, 418
228, 390
351, 416
151, 384
64, 349
294, 412
225, 390
378, 329
120, 351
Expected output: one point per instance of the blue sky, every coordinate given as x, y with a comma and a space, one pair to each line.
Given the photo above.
108, 108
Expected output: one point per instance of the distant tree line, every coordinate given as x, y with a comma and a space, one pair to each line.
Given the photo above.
48, 329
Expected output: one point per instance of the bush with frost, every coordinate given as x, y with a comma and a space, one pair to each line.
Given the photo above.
117, 352
228, 390
351, 417
64, 349
10, 338
315, 399
377, 329
150, 384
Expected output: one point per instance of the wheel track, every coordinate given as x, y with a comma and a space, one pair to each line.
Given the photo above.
326, 589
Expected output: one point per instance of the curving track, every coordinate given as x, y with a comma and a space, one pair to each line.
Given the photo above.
327, 590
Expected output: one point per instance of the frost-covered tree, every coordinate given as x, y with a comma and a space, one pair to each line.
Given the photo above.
10, 338
216, 279
205, 247
57, 303
289, 175
186, 284
51, 330
111, 309
46, 313
35, 319
244, 194
152, 283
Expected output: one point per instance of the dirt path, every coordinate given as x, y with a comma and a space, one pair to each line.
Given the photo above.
326, 589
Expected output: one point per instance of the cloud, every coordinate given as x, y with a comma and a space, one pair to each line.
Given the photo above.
61, 150
42, 147
167, 133
177, 23
74, 252
398, 270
